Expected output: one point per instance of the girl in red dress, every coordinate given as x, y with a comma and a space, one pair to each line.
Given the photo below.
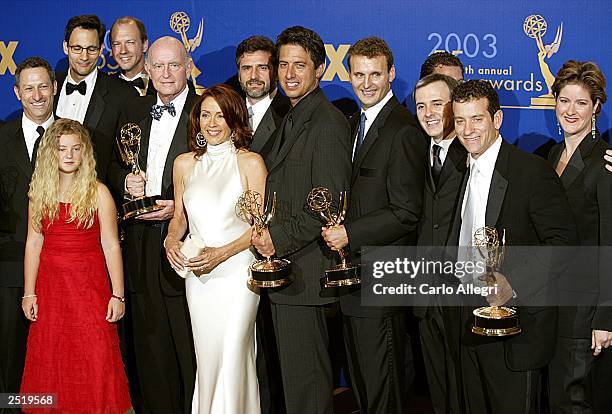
71, 249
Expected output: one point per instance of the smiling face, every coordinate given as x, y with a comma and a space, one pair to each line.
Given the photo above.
474, 125
371, 79
433, 110
36, 91
69, 153
128, 49
255, 74
212, 122
574, 109
297, 73
83, 63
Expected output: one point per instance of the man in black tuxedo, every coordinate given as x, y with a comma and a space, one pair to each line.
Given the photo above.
86, 94
256, 61
160, 323
311, 149
35, 88
521, 196
129, 43
446, 162
384, 209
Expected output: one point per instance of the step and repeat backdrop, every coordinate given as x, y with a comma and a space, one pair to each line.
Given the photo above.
517, 45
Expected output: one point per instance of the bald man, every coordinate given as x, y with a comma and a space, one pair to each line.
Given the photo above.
163, 344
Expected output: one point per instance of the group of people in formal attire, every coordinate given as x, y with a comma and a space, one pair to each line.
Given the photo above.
206, 341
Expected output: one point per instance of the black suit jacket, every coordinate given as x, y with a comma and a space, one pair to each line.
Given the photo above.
315, 154
386, 191
527, 200
102, 116
272, 119
589, 191
15, 175
137, 111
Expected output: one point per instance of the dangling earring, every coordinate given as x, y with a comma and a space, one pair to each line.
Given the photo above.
593, 126
559, 126
200, 140
233, 137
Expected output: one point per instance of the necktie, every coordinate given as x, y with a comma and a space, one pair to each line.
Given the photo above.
138, 82
361, 132
251, 117
469, 213
436, 167
71, 87
41, 132
157, 110
286, 130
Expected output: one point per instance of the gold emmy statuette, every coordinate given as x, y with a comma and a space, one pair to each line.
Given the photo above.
129, 147
535, 27
493, 320
267, 273
320, 202
179, 23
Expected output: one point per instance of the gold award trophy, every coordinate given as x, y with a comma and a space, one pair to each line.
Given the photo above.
129, 148
269, 272
320, 201
493, 320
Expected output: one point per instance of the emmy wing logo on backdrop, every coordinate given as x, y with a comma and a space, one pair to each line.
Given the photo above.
180, 23
535, 27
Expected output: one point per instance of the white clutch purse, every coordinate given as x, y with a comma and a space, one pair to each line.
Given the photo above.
192, 246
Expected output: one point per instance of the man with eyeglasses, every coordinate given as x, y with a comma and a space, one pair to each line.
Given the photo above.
161, 329
86, 94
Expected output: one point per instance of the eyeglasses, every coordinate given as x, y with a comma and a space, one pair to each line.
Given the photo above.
173, 67
78, 49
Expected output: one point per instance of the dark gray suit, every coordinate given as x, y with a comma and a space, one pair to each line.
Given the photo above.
263, 137
314, 153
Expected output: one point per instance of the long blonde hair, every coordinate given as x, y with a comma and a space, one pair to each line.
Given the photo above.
44, 187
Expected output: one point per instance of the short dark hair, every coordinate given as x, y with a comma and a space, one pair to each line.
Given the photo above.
234, 111
439, 58
371, 47
586, 74
127, 20
436, 77
309, 40
255, 44
87, 22
475, 89
31, 63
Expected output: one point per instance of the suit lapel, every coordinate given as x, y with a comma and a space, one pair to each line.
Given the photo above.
145, 129
497, 189
264, 131
16, 145
97, 102
455, 161
576, 164
288, 142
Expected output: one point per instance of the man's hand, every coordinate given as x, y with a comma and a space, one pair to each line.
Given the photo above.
135, 184
608, 158
263, 243
504, 291
165, 214
600, 340
335, 237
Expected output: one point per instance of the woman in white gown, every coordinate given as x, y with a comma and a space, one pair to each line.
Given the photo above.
207, 183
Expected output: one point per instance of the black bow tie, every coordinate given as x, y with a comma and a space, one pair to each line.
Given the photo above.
138, 82
71, 87
157, 110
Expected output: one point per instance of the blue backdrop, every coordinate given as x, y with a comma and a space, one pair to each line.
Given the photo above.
515, 44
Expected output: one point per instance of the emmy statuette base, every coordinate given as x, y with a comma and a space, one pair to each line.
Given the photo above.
341, 275
270, 273
492, 321
139, 206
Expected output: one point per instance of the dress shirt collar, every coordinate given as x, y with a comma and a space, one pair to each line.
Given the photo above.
372, 112
90, 80
29, 127
179, 102
486, 162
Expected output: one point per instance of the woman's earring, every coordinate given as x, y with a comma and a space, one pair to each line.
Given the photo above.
593, 126
200, 140
559, 126
233, 137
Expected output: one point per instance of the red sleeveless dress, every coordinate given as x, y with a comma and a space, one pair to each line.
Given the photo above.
73, 352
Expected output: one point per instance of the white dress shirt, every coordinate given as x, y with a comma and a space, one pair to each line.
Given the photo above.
260, 107
162, 133
445, 144
371, 113
74, 106
29, 131
145, 79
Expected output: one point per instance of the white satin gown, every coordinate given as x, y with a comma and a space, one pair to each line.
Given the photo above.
221, 305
